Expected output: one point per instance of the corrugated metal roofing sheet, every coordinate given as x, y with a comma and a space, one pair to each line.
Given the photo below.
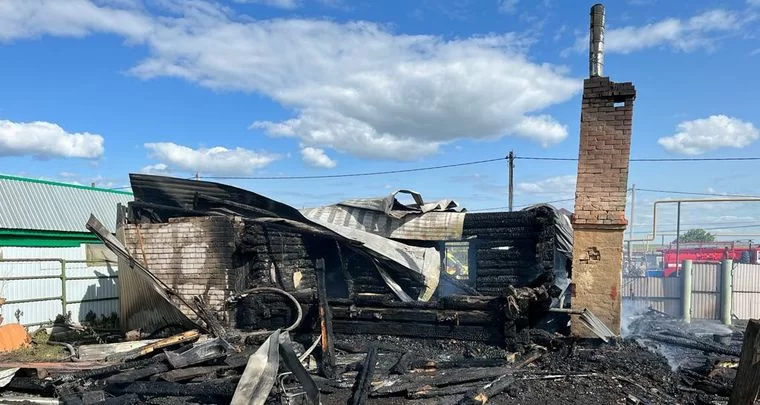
31, 204
430, 226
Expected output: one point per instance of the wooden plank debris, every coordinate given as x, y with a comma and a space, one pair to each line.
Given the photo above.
98, 352
184, 337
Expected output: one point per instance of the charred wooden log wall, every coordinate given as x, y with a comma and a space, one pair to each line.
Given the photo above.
513, 248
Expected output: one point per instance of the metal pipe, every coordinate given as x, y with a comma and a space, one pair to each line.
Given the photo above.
726, 290
630, 225
688, 200
596, 42
511, 163
64, 305
678, 237
686, 291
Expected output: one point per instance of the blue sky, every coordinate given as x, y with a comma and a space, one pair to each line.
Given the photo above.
94, 90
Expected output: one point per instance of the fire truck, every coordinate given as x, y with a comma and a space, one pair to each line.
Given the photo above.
673, 256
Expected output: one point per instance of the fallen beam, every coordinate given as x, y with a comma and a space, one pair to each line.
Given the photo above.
481, 396
137, 374
417, 381
183, 337
429, 391
692, 344
364, 379
190, 373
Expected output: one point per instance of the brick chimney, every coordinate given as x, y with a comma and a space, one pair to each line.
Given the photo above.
600, 197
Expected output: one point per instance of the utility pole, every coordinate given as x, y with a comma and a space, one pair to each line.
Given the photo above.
197, 175
630, 225
511, 166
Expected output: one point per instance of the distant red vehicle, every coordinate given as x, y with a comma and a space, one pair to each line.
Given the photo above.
672, 258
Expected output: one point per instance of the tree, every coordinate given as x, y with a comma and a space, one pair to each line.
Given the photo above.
696, 235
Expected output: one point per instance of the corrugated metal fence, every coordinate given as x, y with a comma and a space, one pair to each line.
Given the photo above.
37, 289
664, 294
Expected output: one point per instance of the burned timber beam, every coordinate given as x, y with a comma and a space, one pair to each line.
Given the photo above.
364, 378
420, 330
325, 322
447, 317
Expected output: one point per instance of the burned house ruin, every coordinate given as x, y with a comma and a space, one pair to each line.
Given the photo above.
428, 270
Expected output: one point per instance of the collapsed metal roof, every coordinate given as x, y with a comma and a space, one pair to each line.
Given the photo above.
389, 218
159, 196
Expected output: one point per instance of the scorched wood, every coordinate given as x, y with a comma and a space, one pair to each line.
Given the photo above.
420, 330
326, 323
364, 378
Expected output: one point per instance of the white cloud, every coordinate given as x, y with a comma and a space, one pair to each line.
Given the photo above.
157, 169
753, 2
217, 160
698, 32
316, 157
707, 134
558, 186
286, 4
75, 18
508, 6
355, 87
45, 140
84, 180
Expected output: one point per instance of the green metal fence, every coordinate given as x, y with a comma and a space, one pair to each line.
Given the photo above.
64, 279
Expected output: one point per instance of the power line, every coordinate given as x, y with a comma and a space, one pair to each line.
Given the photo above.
471, 163
695, 193
332, 176
724, 159
521, 206
715, 228
546, 158
477, 162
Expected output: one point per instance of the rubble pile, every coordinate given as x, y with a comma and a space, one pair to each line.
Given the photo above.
227, 296
194, 368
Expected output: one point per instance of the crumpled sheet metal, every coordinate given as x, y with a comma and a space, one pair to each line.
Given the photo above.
261, 371
425, 263
170, 312
6, 375
432, 226
391, 206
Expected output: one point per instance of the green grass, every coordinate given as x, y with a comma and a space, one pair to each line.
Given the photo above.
39, 350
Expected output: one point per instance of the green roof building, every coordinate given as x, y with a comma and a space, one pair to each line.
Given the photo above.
41, 213
50, 264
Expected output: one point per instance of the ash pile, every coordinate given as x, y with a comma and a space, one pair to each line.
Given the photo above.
704, 354
228, 296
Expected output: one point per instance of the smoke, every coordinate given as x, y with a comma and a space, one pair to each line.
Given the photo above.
632, 310
637, 320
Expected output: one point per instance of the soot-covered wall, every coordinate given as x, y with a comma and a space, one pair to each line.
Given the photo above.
516, 248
